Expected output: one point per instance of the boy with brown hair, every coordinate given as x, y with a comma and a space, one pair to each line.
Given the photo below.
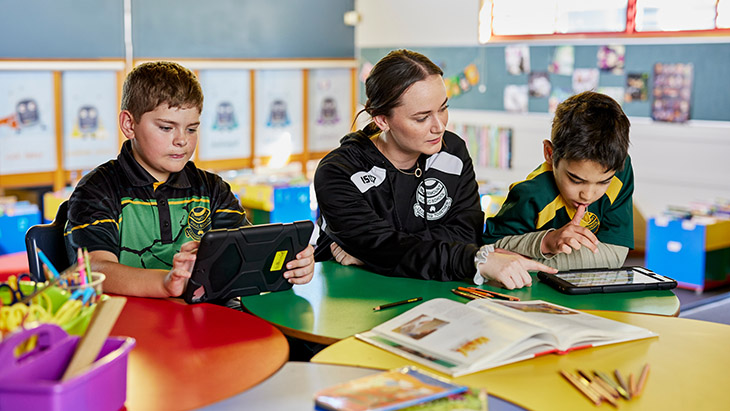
574, 211
142, 215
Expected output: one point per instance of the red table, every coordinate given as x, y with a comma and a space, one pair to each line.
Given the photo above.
188, 356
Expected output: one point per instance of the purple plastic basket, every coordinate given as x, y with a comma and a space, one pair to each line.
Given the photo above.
32, 381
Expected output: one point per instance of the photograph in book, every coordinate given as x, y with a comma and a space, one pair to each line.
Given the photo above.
458, 339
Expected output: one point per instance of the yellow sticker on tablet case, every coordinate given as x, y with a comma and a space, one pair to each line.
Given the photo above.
279, 259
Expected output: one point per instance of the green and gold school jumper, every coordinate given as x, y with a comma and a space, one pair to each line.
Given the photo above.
119, 207
534, 207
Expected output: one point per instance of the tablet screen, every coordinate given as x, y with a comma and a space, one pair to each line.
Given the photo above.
619, 276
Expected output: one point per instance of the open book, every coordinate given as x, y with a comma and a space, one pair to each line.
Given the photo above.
459, 339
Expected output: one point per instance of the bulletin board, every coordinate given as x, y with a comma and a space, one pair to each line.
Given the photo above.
68, 110
710, 94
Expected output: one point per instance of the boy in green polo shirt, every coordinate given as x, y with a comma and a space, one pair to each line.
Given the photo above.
575, 210
142, 215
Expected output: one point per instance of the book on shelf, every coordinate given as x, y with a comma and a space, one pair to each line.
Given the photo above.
395, 389
459, 339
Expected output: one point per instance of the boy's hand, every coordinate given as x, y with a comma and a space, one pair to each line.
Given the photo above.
342, 257
301, 270
570, 237
511, 270
182, 269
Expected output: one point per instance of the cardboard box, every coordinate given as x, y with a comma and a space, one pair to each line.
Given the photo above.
695, 253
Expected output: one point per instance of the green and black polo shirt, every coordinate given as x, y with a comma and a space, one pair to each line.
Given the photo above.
119, 207
535, 204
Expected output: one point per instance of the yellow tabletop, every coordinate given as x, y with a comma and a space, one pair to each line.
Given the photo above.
689, 367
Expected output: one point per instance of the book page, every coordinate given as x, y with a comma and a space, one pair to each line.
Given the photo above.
456, 333
570, 327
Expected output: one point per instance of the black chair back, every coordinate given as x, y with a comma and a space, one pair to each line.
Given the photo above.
49, 238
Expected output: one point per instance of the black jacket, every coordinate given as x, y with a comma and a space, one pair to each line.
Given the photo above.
376, 213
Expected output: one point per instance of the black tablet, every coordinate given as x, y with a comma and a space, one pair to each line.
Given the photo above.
606, 280
245, 261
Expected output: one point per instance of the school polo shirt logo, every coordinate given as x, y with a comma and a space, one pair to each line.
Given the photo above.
432, 197
198, 223
590, 221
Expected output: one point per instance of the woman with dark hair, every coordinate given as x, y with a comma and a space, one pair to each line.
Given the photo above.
399, 197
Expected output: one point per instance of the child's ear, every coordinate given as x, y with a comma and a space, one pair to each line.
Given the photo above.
126, 124
547, 151
381, 122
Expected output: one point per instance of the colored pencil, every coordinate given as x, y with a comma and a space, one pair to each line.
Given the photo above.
642, 380
590, 394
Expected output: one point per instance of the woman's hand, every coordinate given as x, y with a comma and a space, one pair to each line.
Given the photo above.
342, 257
511, 270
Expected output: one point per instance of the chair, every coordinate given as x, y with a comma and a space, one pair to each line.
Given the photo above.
49, 238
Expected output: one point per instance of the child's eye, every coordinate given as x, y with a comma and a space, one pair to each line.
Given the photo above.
444, 108
165, 128
192, 130
421, 120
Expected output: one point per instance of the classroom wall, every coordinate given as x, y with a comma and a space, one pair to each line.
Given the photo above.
176, 29
673, 163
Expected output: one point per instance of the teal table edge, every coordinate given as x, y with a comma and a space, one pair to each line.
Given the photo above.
339, 301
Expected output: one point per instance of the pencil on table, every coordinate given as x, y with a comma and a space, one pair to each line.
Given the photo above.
466, 295
642, 380
494, 294
595, 386
607, 387
591, 395
475, 291
622, 382
632, 385
603, 376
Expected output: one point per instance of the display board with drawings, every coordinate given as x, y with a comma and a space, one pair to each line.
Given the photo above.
559, 64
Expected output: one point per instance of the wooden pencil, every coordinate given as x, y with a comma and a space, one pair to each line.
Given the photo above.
591, 395
642, 380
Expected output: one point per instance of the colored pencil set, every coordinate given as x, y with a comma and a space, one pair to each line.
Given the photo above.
600, 386
473, 293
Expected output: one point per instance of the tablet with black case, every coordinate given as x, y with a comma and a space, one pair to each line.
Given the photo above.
245, 261
606, 280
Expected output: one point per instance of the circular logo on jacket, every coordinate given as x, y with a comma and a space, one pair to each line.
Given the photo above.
198, 223
590, 221
431, 198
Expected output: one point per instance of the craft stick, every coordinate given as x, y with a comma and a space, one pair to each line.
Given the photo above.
88, 348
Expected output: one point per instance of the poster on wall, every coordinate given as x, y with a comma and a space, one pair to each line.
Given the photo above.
637, 87
611, 59
90, 105
515, 98
225, 123
517, 58
27, 122
563, 60
585, 79
672, 92
330, 107
279, 112
538, 82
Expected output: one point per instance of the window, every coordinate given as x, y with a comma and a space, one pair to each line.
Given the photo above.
519, 18
674, 15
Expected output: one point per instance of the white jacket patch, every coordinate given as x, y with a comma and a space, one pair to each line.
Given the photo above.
365, 180
443, 161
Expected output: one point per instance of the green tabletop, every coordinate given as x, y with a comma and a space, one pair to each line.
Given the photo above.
339, 301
